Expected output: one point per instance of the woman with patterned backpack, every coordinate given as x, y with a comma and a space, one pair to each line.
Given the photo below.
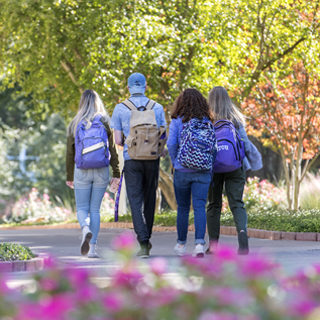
236, 155
89, 147
192, 148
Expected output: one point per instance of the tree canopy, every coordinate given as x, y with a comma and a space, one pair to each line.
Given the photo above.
57, 48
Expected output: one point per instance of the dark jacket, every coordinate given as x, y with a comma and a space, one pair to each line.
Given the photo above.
114, 161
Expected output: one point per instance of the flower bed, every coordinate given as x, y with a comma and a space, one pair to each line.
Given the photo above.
220, 287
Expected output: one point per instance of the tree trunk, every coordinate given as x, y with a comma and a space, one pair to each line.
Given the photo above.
166, 185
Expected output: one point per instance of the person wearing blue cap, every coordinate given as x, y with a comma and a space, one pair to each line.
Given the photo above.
139, 126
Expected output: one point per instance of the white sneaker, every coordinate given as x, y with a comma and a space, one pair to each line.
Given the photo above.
86, 237
198, 251
92, 252
180, 249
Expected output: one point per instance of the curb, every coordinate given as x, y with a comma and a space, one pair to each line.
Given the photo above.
229, 231
25, 265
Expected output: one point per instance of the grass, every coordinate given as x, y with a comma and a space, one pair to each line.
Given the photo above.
307, 220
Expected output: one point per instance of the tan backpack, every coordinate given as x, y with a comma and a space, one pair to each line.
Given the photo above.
145, 141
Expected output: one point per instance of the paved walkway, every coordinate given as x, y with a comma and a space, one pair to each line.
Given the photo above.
64, 245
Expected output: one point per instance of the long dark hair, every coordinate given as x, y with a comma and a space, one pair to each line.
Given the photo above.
191, 104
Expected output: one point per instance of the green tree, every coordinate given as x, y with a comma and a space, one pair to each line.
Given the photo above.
57, 48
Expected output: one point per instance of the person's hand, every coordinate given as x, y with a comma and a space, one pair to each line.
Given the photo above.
70, 184
114, 185
163, 154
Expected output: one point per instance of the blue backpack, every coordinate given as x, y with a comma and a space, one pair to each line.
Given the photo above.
92, 145
230, 147
198, 147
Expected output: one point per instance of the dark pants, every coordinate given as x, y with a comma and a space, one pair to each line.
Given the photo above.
234, 185
142, 182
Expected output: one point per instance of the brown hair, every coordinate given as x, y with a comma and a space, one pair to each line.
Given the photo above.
191, 104
223, 108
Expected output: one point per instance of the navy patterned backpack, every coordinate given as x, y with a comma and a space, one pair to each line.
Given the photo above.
198, 147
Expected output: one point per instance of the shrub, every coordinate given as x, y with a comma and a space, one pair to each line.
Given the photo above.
220, 287
260, 195
280, 220
36, 208
310, 191
14, 251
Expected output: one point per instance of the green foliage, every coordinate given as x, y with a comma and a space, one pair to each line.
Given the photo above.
280, 220
55, 49
14, 251
165, 218
46, 143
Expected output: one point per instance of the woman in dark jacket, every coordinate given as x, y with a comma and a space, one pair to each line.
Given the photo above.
89, 184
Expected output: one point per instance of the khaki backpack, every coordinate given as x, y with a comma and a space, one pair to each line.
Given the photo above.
145, 141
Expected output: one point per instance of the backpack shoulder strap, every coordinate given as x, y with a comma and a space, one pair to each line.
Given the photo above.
130, 105
150, 105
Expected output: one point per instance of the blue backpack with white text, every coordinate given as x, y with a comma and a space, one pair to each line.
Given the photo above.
231, 150
198, 146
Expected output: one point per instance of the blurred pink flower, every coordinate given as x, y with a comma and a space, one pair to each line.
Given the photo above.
113, 301
46, 197
126, 278
125, 241
158, 265
48, 284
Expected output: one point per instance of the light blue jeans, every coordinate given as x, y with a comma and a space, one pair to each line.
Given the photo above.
90, 186
195, 185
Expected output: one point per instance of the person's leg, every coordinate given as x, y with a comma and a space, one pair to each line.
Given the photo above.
199, 190
150, 185
214, 206
82, 189
134, 173
235, 182
182, 190
100, 183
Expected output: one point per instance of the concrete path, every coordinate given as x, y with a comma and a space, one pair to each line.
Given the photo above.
64, 245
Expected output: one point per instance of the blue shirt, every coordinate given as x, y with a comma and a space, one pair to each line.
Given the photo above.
120, 119
252, 160
173, 144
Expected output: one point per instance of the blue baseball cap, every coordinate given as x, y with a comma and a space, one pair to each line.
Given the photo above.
137, 83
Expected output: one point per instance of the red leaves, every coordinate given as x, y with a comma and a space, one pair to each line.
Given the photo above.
286, 111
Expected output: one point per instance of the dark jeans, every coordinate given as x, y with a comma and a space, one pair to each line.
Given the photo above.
195, 184
141, 183
234, 185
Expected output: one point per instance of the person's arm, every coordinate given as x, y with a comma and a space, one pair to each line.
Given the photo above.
114, 159
173, 142
244, 137
118, 137
70, 154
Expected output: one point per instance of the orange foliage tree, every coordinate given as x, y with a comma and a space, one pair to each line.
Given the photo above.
287, 118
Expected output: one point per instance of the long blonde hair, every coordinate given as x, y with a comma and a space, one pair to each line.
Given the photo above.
89, 106
223, 108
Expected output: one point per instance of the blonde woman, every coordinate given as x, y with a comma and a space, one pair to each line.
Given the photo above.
234, 181
90, 144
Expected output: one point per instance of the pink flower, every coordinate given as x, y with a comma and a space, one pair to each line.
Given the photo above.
46, 197
226, 253
113, 301
127, 278
158, 266
48, 284
255, 266
125, 241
